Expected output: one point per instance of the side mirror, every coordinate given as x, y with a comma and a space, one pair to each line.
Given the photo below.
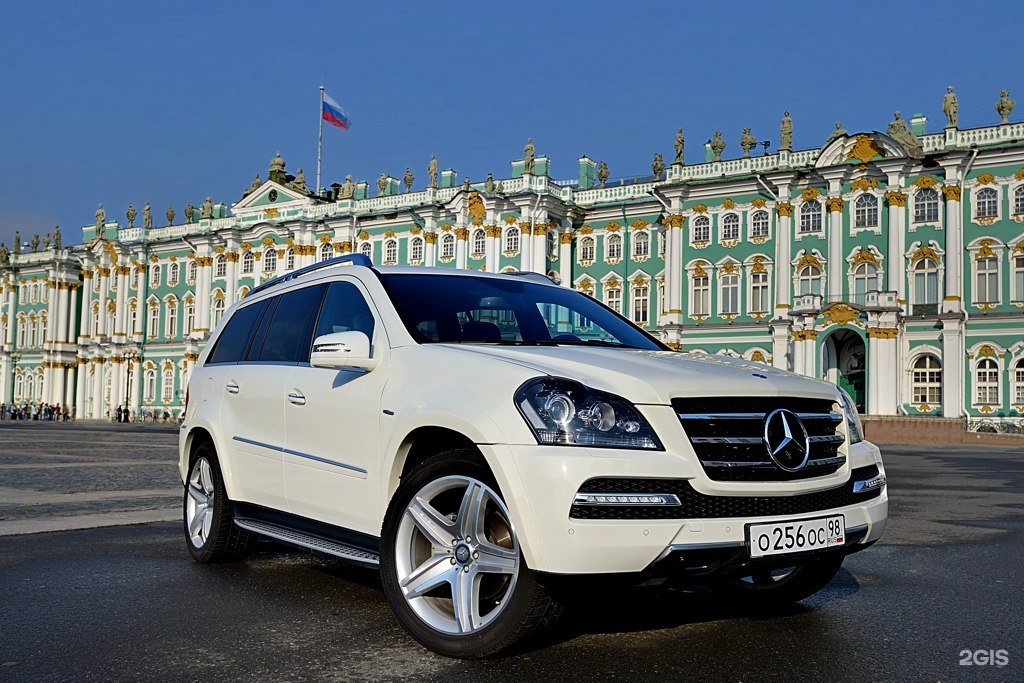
342, 350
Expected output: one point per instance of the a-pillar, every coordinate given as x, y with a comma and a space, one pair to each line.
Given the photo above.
835, 248
565, 258
783, 267
952, 366
883, 357
954, 252
895, 274
83, 377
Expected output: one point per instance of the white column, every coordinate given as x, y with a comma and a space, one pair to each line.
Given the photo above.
954, 254
783, 267
525, 251
952, 366
674, 264
565, 258
83, 377
895, 272
540, 247
10, 293
104, 274
461, 258
430, 252
72, 325
55, 387
116, 381
836, 263
137, 379
70, 384
121, 307
85, 327
203, 295
231, 278
97, 389
492, 247
67, 312
6, 379
52, 321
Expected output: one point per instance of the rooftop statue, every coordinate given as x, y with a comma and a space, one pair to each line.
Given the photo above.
347, 189
35, 243
786, 133
5, 256
101, 217
382, 184
837, 133
147, 216
255, 185
130, 214
528, 151
950, 108
300, 182
1005, 106
170, 215
58, 241
747, 142
17, 241
901, 133
206, 211
46, 241
465, 185
408, 179
277, 163
718, 145
489, 186
658, 166
432, 171
602, 172
680, 142
190, 212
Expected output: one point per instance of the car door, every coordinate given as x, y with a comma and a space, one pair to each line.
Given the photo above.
332, 419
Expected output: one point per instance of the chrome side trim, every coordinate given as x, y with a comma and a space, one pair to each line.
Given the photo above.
602, 499
282, 449
306, 541
878, 481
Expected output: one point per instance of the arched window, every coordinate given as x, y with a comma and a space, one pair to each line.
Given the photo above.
289, 259
218, 310
1018, 383
479, 241
614, 246
19, 385
661, 242
926, 206
865, 278
153, 325
269, 260
133, 316
987, 203
448, 245
326, 251
190, 272
190, 317
587, 249
149, 392
33, 330
641, 304
759, 292
168, 388
809, 278
810, 216
986, 290
759, 224
552, 242
1018, 278
701, 229
94, 330
366, 249
39, 385
926, 385
1018, 201
865, 212
172, 274
416, 249
45, 291
730, 299
220, 266
171, 319
248, 263
641, 245
731, 227
21, 331
700, 295
512, 240
987, 382
391, 252
926, 282
154, 275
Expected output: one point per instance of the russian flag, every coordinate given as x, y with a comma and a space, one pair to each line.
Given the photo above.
334, 114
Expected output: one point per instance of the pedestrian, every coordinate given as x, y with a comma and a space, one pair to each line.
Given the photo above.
117, 414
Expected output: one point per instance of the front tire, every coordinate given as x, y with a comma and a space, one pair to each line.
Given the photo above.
210, 532
451, 564
776, 589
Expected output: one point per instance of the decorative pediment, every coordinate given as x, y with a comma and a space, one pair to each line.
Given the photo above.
270, 195
859, 149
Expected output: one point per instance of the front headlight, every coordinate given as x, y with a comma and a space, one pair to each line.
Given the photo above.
564, 412
852, 417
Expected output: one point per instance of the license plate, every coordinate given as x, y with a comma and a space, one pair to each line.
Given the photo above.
780, 538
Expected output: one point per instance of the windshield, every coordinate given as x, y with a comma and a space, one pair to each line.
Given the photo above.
452, 309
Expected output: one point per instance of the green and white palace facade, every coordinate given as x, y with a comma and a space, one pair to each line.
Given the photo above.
899, 277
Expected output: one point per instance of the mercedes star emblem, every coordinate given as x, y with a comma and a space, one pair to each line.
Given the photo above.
786, 440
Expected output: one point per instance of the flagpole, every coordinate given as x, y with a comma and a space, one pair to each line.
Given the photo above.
320, 141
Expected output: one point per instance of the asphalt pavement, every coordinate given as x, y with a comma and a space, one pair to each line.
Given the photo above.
936, 600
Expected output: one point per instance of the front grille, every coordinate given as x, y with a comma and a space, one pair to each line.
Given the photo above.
696, 505
727, 434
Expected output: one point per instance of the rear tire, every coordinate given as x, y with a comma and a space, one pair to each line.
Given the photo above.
451, 564
775, 589
210, 531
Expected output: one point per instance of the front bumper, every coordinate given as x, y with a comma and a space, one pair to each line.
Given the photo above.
540, 484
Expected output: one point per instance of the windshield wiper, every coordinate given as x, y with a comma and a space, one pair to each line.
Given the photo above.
583, 342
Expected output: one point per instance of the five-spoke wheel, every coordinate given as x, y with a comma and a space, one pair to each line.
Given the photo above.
210, 532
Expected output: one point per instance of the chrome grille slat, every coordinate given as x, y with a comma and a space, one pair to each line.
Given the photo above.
727, 439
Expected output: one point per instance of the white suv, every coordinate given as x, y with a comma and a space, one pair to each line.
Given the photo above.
485, 438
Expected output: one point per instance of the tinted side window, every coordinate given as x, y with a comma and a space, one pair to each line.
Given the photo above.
235, 338
290, 333
344, 310
261, 330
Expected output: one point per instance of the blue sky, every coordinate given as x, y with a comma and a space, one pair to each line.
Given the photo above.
120, 102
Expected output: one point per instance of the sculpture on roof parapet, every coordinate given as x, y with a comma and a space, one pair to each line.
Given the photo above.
432, 171
130, 214
408, 179
35, 243
348, 188
300, 182
602, 173
58, 241
170, 215
950, 107
786, 133
901, 133
1005, 106
382, 184
206, 211
17, 242
46, 241
5, 256
747, 142
489, 186
190, 212
147, 216
101, 218
528, 157
658, 166
277, 163
679, 144
837, 133
253, 186
718, 145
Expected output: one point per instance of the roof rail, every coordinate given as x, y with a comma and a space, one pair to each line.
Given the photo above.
540, 277
353, 259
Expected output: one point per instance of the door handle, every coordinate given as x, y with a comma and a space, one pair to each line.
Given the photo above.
296, 398
231, 387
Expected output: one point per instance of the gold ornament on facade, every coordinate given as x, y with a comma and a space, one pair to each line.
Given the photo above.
674, 220
757, 357
810, 193
698, 269
865, 149
586, 285
987, 351
924, 251
524, 227
415, 230
430, 238
246, 246
639, 224
639, 281
925, 181
700, 208
759, 203
124, 270
270, 213
864, 184
883, 332
951, 193
728, 204
1019, 175
784, 209
174, 259
492, 230
804, 335
808, 259
613, 226
104, 272
864, 256
509, 220
834, 204
364, 235
758, 266
565, 238
280, 253
986, 179
896, 198
232, 256
585, 230
388, 234
461, 233
612, 283
841, 314
728, 268
986, 249
477, 210
325, 238
342, 247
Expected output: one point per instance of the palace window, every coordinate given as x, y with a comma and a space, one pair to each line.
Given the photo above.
154, 276
730, 299
641, 297
220, 266
512, 240
248, 263
1018, 383
46, 292
701, 229
926, 282
759, 292
95, 317
641, 245
149, 393
986, 290
810, 216
172, 319
661, 242
587, 249
987, 203
1018, 201
269, 260
809, 279
700, 295
218, 310
326, 251
479, 241
552, 242
865, 212
447, 245
1018, 278
926, 206
416, 249
926, 386
289, 259
190, 318
731, 227
168, 392
32, 331
19, 385
172, 274
759, 224
987, 382
154, 321
391, 251
133, 317
21, 331
865, 278
613, 298
190, 272
614, 247
366, 249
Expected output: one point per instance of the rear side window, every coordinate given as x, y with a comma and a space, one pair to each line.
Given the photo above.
234, 340
289, 335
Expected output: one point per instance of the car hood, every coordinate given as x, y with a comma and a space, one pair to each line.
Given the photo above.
656, 377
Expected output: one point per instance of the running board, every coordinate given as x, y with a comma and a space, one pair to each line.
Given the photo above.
323, 545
